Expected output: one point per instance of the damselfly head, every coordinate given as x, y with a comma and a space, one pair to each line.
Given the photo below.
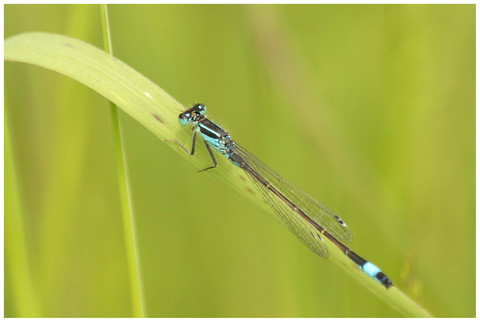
190, 114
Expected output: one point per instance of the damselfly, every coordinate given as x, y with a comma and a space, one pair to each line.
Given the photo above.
308, 219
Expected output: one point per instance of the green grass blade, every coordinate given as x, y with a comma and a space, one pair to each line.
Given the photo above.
130, 236
17, 264
157, 111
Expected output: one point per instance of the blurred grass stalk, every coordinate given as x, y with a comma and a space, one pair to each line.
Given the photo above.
17, 266
130, 235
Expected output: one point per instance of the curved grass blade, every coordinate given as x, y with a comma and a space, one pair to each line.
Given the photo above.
157, 111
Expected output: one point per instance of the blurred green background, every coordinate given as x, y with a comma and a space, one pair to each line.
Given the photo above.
369, 108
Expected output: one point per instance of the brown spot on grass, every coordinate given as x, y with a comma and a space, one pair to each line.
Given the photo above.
158, 118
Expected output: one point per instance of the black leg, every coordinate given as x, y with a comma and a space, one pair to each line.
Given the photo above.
193, 142
183, 146
211, 156
192, 151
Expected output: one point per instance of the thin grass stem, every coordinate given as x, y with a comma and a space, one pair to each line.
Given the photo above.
131, 243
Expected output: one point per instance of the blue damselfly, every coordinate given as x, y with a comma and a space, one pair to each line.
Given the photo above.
307, 218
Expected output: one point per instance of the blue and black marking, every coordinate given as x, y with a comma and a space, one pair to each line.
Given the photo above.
216, 137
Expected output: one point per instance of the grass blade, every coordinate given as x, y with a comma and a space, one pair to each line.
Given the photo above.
17, 264
130, 236
157, 111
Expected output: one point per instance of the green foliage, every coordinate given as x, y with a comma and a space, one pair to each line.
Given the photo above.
359, 98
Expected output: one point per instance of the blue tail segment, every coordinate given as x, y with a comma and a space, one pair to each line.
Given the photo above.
373, 271
370, 269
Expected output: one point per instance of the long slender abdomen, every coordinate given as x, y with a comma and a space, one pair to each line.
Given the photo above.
369, 268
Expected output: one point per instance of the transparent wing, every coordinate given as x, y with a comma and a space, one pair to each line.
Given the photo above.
314, 209
304, 231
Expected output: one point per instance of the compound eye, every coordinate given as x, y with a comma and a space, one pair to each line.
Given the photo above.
200, 108
184, 118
